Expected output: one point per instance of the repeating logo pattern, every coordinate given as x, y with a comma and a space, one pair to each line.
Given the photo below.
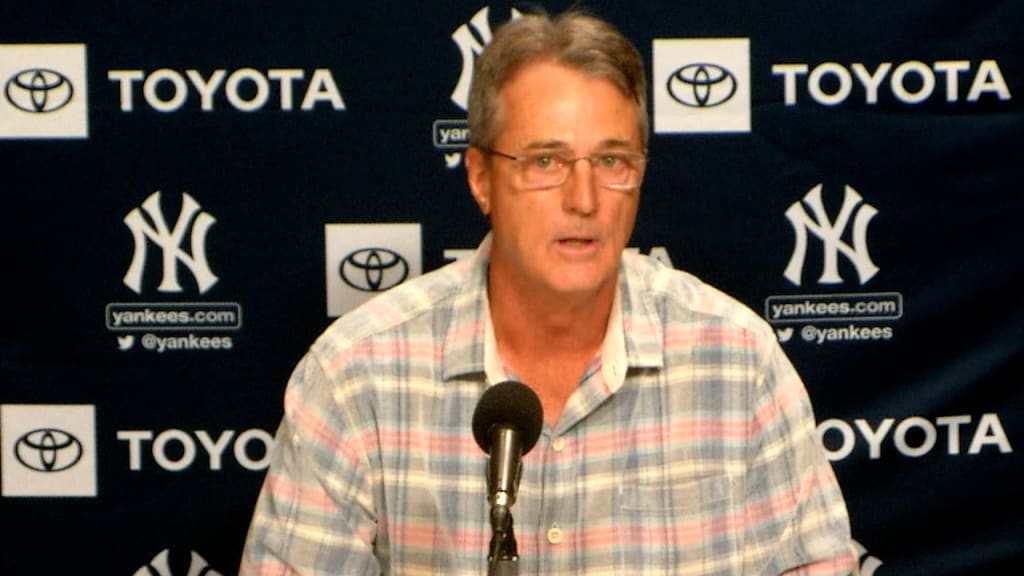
952, 96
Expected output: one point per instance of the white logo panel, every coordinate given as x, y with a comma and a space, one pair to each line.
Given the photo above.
701, 85
48, 450
365, 259
43, 91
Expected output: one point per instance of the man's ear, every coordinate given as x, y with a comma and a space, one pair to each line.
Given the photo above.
478, 175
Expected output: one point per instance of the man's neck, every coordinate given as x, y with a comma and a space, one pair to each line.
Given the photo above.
534, 322
548, 340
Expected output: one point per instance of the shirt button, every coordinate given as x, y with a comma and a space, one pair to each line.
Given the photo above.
558, 444
555, 534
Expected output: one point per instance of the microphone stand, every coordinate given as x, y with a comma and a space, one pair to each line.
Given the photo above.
503, 559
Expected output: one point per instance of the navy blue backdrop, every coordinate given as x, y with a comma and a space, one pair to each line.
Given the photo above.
192, 191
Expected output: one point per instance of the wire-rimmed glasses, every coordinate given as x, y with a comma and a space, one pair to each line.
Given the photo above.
615, 170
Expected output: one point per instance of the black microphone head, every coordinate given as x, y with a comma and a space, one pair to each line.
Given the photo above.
511, 403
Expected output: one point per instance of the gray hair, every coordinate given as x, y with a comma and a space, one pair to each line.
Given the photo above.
574, 39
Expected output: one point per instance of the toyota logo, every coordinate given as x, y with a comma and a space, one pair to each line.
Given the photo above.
701, 85
48, 450
39, 90
373, 269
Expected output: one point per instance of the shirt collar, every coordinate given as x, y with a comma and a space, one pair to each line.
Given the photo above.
464, 340
633, 337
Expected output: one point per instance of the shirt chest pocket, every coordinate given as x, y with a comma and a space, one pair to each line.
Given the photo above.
679, 527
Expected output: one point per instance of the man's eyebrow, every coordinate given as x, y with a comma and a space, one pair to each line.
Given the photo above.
547, 145
605, 144
614, 143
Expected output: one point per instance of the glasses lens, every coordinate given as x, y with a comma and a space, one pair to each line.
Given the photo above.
543, 170
611, 169
618, 170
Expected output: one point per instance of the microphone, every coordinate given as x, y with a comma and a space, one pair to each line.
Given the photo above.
506, 425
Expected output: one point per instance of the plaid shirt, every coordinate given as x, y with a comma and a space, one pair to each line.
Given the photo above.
688, 448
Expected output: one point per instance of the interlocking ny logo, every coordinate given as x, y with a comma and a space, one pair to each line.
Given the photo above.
470, 46
831, 233
155, 229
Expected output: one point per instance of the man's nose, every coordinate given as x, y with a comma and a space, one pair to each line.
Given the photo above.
580, 194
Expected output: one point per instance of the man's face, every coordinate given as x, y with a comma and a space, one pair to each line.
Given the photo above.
566, 240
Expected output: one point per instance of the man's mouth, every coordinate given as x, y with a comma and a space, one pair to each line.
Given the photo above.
576, 241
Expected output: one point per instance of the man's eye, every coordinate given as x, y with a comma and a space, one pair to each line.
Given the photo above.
544, 162
611, 161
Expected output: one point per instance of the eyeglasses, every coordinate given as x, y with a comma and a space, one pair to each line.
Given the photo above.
545, 169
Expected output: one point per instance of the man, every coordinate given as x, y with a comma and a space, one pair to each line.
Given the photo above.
677, 437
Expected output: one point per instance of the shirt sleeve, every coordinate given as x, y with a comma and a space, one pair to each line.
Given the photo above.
316, 512
795, 513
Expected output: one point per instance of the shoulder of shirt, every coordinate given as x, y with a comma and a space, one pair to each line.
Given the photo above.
688, 293
432, 292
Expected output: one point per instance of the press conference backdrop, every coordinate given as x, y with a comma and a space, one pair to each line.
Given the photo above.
192, 191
